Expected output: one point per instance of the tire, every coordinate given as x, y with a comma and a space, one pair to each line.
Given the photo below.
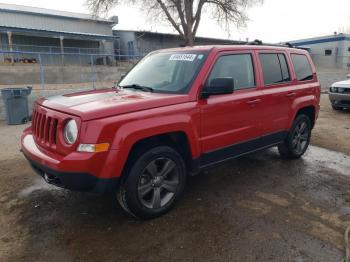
337, 108
154, 181
298, 138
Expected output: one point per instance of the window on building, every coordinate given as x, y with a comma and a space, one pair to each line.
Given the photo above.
328, 52
302, 67
239, 67
275, 68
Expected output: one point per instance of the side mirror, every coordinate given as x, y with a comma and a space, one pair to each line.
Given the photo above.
218, 86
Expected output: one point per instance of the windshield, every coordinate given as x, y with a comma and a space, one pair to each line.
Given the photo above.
170, 72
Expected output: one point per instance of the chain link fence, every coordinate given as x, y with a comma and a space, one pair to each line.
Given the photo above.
60, 70
53, 73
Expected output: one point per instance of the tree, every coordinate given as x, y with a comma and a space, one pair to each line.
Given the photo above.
185, 15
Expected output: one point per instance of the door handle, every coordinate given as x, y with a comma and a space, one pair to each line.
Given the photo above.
253, 102
291, 94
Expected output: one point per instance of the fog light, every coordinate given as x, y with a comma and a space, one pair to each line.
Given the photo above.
93, 148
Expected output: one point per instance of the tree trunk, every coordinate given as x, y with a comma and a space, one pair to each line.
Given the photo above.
189, 39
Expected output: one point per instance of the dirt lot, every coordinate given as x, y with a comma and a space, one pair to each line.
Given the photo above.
256, 208
333, 128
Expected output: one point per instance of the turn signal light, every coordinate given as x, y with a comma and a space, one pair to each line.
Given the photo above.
93, 148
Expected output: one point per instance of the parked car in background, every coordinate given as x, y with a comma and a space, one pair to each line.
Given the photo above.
339, 94
177, 112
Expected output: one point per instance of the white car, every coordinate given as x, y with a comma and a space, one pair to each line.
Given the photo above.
339, 94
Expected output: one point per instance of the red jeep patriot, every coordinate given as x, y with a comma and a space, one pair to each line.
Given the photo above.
175, 113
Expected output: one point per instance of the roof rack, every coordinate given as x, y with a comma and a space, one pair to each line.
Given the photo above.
259, 42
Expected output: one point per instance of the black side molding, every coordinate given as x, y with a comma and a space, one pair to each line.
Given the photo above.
237, 150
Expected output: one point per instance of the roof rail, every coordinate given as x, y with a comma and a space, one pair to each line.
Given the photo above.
259, 42
255, 42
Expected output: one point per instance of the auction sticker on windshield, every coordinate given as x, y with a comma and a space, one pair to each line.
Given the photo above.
182, 57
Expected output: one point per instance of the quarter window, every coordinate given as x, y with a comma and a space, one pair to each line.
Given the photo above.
275, 68
302, 67
238, 66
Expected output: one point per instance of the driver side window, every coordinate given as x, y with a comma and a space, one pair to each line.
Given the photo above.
238, 66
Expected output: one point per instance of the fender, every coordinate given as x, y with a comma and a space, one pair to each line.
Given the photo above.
130, 133
299, 103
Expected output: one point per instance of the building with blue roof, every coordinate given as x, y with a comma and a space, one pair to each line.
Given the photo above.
331, 51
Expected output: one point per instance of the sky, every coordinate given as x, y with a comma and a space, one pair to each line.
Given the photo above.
273, 21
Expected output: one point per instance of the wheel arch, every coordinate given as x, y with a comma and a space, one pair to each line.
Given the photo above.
177, 140
305, 106
180, 136
309, 111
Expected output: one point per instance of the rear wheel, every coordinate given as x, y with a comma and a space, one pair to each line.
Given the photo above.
298, 139
154, 182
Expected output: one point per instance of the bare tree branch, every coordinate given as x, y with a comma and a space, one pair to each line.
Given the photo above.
185, 15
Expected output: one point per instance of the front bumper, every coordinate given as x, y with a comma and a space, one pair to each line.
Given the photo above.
340, 99
77, 171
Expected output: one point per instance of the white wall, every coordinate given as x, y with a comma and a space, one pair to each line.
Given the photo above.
41, 22
340, 57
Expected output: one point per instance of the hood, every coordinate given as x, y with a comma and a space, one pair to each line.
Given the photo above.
109, 102
344, 84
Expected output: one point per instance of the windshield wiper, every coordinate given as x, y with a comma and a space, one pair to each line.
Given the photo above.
139, 87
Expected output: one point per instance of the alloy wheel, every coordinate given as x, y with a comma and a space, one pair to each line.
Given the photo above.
158, 183
300, 137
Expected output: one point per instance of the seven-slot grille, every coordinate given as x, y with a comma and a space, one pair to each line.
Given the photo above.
44, 128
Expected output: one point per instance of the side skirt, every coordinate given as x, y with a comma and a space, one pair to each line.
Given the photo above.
227, 153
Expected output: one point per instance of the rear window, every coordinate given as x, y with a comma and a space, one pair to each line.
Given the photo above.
275, 68
302, 67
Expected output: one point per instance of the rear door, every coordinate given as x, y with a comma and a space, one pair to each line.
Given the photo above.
306, 85
232, 119
278, 91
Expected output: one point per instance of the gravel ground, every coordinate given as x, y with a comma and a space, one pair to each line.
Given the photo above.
332, 129
255, 208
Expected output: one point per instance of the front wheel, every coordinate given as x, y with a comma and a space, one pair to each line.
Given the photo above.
337, 108
154, 182
298, 139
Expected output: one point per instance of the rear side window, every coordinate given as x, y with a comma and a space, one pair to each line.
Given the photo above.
238, 66
275, 68
302, 67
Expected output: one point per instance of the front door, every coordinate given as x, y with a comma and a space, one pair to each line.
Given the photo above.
231, 123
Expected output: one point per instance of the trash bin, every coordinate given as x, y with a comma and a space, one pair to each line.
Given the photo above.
16, 104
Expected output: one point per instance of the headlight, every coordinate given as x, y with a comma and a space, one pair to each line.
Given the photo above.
333, 89
70, 132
